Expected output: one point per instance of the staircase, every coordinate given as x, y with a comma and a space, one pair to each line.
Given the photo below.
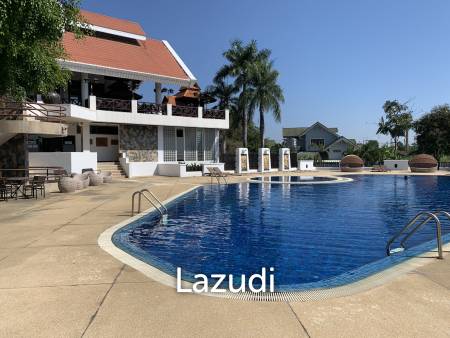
114, 167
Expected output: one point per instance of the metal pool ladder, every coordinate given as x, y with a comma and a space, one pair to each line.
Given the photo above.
416, 223
151, 198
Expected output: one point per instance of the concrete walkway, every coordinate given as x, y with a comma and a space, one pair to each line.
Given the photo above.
56, 282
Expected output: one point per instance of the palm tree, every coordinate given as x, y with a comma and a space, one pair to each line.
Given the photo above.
225, 93
240, 58
265, 95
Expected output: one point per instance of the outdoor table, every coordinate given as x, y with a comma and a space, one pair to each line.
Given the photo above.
18, 186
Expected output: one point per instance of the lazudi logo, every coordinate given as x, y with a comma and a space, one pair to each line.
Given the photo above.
202, 283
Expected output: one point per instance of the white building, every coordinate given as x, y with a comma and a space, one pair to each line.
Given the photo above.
106, 120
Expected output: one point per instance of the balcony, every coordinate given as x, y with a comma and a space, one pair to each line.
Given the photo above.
137, 112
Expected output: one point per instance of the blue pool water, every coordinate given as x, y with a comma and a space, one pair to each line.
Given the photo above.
308, 233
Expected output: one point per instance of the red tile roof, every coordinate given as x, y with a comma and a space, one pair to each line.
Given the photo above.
112, 23
148, 56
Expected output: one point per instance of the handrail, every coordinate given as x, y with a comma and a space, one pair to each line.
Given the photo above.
437, 212
18, 110
431, 216
141, 193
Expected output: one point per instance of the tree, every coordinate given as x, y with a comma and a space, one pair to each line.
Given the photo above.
396, 122
30, 44
433, 132
240, 58
224, 93
265, 95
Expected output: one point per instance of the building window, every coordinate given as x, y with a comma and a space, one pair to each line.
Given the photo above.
210, 138
101, 141
170, 153
190, 144
114, 142
200, 148
317, 142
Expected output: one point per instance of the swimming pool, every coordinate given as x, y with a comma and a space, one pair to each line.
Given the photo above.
313, 235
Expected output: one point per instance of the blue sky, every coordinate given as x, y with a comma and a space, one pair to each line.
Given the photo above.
338, 60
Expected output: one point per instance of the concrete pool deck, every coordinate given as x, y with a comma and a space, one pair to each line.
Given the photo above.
56, 281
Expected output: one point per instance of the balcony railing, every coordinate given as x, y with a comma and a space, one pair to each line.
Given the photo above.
151, 108
214, 114
113, 104
11, 110
185, 111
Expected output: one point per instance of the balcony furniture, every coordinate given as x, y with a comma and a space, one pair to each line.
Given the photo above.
67, 184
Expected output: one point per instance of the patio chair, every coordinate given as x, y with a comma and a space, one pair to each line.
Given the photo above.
34, 186
217, 173
5, 190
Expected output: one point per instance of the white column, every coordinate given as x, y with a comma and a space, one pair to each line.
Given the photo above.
160, 144
86, 136
84, 88
134, 106
217, 147
158, 98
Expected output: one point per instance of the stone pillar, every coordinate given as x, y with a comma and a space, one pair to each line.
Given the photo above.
84, 88
86, 136
264, 160
284, 159
158, 98
242, 161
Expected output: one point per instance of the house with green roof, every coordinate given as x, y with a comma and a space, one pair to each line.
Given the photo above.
317, 138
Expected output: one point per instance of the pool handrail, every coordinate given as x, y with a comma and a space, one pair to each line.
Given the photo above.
163, 210
431, 216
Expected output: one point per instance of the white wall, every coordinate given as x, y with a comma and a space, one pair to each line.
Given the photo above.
396, 164
73, 162
306, 165
85, 114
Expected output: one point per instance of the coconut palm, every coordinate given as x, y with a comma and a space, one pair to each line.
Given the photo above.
265, 94
240, 58
225, 93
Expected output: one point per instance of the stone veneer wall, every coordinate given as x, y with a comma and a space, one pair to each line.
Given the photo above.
14, 154
139, 142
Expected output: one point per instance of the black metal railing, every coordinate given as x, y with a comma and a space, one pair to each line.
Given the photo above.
185, 111
113, 104
151, 108
13, 110
214, 114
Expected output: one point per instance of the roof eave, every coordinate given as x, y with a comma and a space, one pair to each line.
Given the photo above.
121, 73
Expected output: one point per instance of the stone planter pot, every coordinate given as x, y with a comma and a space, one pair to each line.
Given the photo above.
94, 179
107, 177
67, 184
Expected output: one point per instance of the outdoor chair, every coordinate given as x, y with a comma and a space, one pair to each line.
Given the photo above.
37, 184
5, 190
217, 173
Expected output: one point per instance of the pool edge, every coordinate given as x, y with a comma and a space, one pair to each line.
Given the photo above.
372, 281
